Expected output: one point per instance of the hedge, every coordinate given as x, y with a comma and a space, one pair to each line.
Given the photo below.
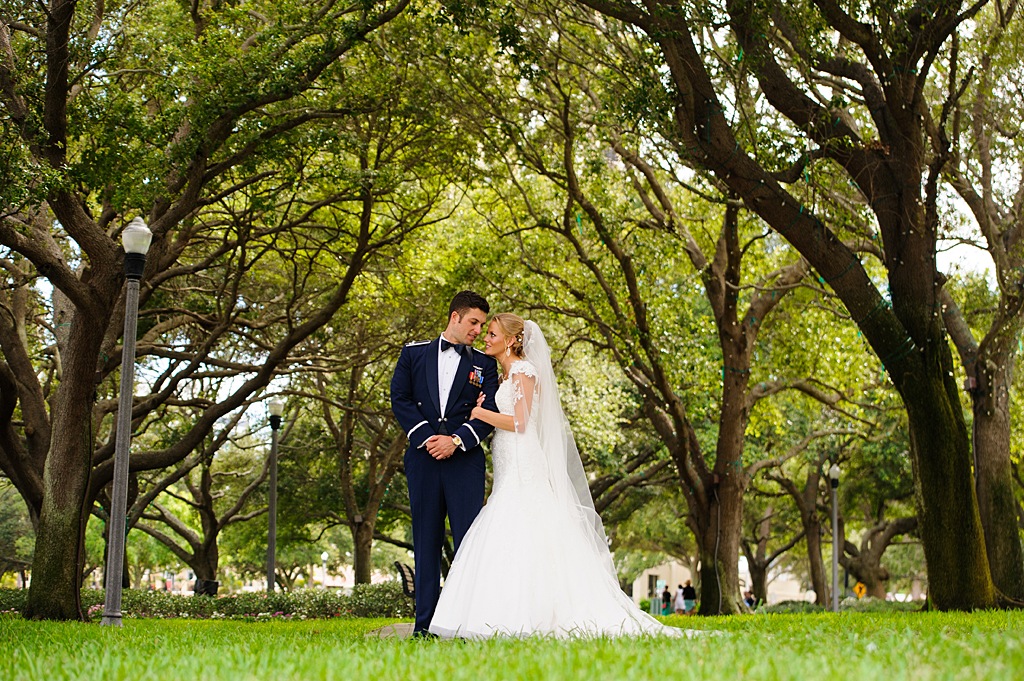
365, 600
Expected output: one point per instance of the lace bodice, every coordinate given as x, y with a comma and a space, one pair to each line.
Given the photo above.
517, 456
510, 390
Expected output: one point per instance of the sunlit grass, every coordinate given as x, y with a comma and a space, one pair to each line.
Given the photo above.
847, 646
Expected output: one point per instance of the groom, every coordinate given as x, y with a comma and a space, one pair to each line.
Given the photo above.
434, 389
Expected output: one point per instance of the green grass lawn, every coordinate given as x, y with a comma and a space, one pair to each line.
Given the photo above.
858, 646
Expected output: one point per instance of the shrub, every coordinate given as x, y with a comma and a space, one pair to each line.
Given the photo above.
255, 604
13, 600
854, 604
320, 603
792, 607
380, 600
92, 598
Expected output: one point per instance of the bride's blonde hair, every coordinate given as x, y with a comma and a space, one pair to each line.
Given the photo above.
512, 326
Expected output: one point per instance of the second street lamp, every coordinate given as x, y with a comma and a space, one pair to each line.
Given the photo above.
136, 239
276, 409
833, 479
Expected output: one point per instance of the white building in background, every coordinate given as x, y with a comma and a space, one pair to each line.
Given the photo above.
781, 587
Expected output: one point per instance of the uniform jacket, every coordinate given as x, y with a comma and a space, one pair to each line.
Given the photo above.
415, 396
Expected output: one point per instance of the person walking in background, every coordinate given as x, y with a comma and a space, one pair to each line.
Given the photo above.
689, 598
678, 602
666, 601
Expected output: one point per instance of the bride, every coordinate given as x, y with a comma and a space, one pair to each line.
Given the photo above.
536, 560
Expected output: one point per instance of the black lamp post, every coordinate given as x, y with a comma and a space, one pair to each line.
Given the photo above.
276, 408
833, 479
136, 239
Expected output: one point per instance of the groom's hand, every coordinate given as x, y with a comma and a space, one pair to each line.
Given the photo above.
440, 447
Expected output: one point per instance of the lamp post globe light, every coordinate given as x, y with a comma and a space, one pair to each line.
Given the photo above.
323, 558
833, 479
276, 409
135, 239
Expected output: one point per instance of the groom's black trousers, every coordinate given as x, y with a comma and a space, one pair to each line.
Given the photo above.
452, 487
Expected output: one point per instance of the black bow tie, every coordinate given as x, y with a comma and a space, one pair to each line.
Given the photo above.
459, 347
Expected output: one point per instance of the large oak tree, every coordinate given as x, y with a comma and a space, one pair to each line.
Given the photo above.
113, 109
850, 81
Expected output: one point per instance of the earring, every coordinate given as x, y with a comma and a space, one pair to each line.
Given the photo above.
508, 350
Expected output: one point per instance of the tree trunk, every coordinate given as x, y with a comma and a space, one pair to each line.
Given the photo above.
720, 550
806, 501
206, 560
362, 540
759, 582
56, 572
990, 401
812, 526
720, 545
865, 568
875, 578
989, 368
59, 549
137, 574
865, 563
950, 525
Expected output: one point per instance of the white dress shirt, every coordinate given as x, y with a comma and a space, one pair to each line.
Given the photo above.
447, 366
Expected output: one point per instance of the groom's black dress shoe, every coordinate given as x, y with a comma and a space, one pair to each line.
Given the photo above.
423, 635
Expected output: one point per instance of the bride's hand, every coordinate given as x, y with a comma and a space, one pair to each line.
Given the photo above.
478, 410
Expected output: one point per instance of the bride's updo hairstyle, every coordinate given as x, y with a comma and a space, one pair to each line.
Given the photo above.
511, 325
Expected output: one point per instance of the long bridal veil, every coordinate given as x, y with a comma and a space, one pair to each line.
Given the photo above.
565, 471
538, 539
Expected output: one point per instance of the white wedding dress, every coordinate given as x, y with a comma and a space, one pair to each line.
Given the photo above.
533, 562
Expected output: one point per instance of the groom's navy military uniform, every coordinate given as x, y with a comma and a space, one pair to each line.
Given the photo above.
452, 486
